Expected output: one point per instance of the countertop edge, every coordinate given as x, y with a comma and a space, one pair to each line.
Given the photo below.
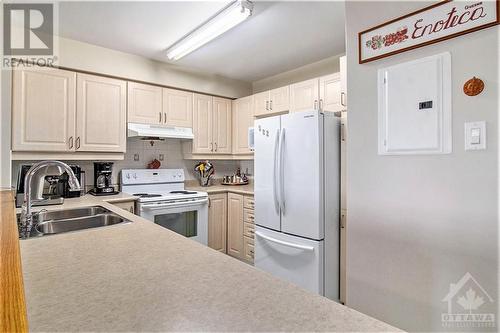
13, 315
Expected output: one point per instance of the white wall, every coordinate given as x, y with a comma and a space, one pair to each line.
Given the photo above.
418, 223
84, 56
316, 69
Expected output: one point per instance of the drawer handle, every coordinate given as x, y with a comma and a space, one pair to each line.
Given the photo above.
251, 252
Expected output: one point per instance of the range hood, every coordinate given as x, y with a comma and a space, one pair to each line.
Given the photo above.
157, 131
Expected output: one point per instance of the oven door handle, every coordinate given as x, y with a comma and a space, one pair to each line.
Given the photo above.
173, 204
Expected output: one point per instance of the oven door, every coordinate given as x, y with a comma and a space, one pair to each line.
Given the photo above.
186, 217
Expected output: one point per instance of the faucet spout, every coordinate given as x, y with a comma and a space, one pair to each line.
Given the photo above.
26, 222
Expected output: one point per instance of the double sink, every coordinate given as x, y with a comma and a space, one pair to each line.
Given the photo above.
61, 221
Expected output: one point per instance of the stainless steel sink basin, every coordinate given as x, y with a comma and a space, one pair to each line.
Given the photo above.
60, 221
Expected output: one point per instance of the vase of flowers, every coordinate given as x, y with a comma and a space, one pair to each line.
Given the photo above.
204, 170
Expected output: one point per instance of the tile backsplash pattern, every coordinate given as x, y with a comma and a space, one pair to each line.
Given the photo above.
173, 159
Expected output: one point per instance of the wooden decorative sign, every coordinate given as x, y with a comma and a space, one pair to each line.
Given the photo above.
441, 21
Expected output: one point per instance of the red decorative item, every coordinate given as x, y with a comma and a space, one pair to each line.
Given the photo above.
154, 164
473, 87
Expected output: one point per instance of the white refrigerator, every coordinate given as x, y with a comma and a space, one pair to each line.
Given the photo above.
297, 199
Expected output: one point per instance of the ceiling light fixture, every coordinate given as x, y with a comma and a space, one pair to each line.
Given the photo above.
229, 17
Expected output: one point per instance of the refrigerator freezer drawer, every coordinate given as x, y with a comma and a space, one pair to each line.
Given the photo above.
295, 259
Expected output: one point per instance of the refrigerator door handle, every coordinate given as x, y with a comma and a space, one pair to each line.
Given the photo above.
282, 171
275, 172
277, 241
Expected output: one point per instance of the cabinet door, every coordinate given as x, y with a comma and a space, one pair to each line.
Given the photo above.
178, 107
101, 114
280, 99
43, 110
144, 103
235, 225
222, 125
242, 120
329, 93
304, 95
343, 81
202, 124
217, 222
261, 103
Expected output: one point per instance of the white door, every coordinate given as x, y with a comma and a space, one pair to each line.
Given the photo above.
304, 95
222, 125
202, 124
177, 107
267, 211
144, 103
301, 184
43, 110
101, 113
280, 99
330, 93
295, 259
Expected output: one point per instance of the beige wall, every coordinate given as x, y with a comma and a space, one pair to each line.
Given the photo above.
416, 224
319, 68
84, 56
4, 119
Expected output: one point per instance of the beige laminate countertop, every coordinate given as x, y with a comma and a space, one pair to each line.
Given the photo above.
142, 277
218, 188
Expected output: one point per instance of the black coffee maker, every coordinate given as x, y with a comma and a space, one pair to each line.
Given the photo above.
102, 179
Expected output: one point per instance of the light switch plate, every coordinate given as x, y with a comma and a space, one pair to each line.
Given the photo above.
475, 135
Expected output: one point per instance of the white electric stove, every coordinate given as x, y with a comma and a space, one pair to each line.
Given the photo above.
164, 201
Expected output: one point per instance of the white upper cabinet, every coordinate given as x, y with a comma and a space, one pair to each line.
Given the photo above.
178, 107
144, 104
279, 99
222, 125
330, 93
304, 95
202, 124
261, 103
243, 118
101, 114
43, 110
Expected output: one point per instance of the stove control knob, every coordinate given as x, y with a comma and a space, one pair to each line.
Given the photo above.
127, 176
135, 176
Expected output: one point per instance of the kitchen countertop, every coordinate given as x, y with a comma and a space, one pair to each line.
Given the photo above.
143, 277
217, 187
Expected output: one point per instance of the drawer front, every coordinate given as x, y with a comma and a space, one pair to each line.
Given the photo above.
248, 215
249, 202
248, 229
248, 249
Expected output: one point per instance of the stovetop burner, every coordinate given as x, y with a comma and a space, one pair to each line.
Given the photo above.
146, 195
183, 192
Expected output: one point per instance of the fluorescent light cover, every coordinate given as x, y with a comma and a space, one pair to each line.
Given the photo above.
226, 19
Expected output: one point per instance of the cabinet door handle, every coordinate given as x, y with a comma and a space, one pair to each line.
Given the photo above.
131, 209
315, 104
70, 142
160, 116
165, 117
216, 146
271, 104
342, 98
211, 146
78, 143
209, 203
321, 104
267, 105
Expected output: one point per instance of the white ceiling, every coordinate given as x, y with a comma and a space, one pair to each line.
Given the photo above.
278, 37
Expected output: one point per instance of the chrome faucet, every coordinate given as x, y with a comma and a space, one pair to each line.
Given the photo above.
26, 221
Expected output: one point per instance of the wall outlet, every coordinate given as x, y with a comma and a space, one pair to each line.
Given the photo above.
161, 157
